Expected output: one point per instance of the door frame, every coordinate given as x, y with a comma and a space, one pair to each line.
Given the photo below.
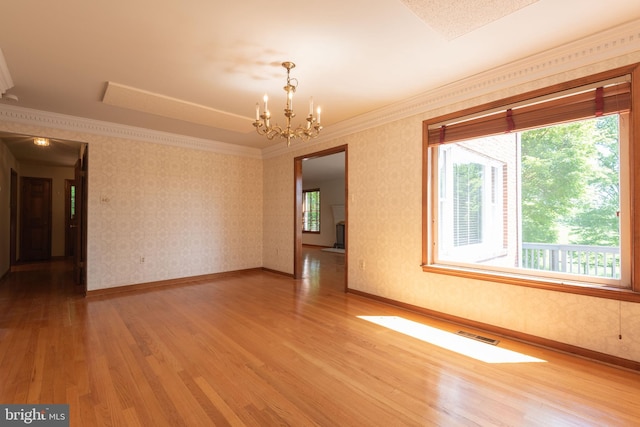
297, 222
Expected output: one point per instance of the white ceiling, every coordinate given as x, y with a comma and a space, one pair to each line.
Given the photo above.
324, 168
207, 63
58, 153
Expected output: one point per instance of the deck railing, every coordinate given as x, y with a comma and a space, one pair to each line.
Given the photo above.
601, 261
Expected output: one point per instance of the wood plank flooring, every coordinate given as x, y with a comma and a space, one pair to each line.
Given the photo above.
259, 349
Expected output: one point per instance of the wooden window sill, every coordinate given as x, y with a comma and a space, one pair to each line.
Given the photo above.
609, 292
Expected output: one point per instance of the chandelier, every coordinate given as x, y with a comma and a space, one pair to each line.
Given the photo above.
312, 127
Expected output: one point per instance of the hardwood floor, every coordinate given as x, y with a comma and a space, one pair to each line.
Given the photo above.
260, 349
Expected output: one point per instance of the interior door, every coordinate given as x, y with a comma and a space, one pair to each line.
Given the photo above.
35, 219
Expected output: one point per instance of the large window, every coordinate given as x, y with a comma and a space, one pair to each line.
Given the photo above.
537, 190
311, 211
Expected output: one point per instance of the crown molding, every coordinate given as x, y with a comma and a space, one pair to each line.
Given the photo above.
583, 57
80, 125
580, 58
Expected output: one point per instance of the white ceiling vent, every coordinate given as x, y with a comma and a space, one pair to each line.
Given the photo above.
5, 78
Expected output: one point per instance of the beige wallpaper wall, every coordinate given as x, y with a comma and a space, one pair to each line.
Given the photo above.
186, 211
384, 245
160, 212
278, 214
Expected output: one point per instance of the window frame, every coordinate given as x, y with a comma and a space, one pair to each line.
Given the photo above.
429, 233
489, 199
311, 190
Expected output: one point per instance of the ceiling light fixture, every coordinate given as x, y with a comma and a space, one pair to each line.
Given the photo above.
41, 142
263, 121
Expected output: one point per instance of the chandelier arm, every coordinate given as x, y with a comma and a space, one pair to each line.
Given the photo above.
259, 128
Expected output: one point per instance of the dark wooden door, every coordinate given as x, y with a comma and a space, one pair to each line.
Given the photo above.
35, 219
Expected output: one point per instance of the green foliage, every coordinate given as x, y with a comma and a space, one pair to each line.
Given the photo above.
554, 169
596, 221
570, 178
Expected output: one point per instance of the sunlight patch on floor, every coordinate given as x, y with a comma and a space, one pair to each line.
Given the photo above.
450, 341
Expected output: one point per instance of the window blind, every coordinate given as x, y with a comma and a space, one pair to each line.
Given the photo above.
603, 98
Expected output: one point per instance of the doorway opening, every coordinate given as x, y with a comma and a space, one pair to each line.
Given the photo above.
329, 176
47, 212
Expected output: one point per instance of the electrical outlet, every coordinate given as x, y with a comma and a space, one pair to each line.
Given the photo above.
361, 264
141, 260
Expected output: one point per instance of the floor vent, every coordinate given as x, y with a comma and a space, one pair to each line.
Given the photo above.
478, 337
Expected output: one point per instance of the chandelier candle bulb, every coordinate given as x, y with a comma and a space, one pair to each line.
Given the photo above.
257, 111
311, 106
266, 100
319, 115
